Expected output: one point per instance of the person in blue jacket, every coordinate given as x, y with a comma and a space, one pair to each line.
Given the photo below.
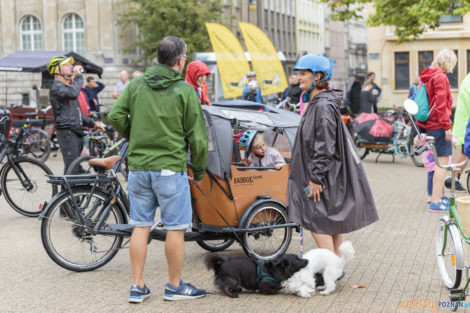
251, 76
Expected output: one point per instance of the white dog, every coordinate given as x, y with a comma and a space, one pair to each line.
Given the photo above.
323, 261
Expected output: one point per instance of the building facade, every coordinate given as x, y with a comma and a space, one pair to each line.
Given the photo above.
277, 19
396, 65
86, 27
310, 27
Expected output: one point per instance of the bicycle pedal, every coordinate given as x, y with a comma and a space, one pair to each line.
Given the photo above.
459, 291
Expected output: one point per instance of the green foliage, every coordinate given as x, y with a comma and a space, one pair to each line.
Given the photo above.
409, 17
156, 19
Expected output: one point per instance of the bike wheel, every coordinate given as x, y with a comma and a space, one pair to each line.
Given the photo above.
39, 145
468, 182
66, 239
215, 245
417, 159
268, 243
449, 261
80, 166
26, 198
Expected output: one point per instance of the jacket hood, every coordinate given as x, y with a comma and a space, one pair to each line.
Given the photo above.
161, 76
194, 70
334, 95
429, 72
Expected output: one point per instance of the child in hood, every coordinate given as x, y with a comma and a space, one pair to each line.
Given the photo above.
196, 76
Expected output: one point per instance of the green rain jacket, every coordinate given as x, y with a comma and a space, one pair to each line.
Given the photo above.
160, 114
462, 112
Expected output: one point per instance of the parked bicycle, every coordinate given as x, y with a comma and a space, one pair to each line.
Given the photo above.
401, 143
23, 179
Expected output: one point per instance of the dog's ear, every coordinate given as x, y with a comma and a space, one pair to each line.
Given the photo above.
281, 263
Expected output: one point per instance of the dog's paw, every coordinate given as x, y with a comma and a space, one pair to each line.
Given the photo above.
326, 292
305, 294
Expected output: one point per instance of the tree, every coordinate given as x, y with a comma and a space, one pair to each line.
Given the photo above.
156, 19
409, 17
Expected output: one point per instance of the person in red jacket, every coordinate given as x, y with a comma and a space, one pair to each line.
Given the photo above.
438, 124
196, 75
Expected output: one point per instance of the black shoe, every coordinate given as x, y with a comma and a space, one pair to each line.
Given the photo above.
458, 185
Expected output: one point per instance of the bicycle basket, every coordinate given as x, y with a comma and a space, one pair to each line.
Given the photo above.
5, 122
463, 208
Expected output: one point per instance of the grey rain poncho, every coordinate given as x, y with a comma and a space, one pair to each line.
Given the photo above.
324, 153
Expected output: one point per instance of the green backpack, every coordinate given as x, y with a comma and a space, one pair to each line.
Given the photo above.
421, 99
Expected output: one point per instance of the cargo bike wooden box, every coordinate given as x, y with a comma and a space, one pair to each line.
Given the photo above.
84, 225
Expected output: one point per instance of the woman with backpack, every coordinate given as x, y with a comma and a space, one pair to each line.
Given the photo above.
438, 123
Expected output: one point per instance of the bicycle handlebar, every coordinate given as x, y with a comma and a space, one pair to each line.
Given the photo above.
452, 167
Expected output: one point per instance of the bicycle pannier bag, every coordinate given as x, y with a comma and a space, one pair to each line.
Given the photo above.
463, 208
421, 99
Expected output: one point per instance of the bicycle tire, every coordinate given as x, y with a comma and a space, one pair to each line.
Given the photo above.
266, 214
452, 258
39, 144
81, 161
211, 245
36, 194
63, 235
468, 182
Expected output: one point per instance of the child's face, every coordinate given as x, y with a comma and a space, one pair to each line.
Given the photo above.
260, 150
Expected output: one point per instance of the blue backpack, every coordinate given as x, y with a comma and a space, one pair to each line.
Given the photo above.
421, 98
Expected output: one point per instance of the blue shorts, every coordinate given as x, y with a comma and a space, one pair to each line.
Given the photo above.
148, 190
443, 147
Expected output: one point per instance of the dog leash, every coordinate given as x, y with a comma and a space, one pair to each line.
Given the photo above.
301, 242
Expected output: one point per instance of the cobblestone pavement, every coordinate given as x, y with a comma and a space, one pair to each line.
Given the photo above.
394, 260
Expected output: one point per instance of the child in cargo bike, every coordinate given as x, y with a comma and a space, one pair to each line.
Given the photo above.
259, 154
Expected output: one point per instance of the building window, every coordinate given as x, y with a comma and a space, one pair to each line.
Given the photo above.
402, 70
31, 35
74, 33
468, 61
454, 76
424, 60
445, 19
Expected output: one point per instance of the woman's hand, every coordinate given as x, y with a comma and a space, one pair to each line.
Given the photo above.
449, 135
315, 191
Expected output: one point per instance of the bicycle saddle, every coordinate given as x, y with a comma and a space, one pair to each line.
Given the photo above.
106, 163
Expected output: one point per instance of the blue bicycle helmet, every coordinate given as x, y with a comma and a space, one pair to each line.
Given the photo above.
315, 63
247, 138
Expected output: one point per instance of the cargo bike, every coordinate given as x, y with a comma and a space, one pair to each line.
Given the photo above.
83, 226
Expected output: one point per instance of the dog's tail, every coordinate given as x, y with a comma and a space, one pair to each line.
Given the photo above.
214, 261
347, 251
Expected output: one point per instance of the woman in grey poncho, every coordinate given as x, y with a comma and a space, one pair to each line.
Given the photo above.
324, 159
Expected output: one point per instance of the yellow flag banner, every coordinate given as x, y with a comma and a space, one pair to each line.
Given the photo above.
264, 59
231, 60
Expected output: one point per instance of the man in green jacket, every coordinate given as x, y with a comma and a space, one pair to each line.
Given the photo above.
160, 115
461, 117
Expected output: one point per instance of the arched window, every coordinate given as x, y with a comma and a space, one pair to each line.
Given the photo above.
31, 35
73, 33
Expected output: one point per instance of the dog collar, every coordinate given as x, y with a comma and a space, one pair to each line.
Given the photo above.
261, 274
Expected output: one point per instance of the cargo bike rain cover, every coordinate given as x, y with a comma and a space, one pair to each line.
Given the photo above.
219, 122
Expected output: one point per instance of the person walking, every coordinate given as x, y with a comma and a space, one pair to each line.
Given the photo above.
93, 88
293, 91
327, 191
251, 76
375, 91
367, 98
438, 124
160, 115
196, 75
414, 88
69, 119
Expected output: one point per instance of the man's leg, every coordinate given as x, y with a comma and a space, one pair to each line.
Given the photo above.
70, 145
174, 252
138, 253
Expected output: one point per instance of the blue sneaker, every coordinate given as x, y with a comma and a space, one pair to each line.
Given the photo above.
445, 200
182, 292
438, 207
138, 294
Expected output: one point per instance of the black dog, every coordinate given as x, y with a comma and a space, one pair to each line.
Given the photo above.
266, 276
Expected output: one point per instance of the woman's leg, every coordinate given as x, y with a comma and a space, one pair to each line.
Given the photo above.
438, 180
337, 241
330, 242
